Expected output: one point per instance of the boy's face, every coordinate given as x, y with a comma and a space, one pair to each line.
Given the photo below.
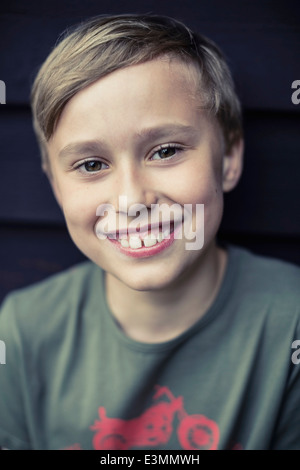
140, 133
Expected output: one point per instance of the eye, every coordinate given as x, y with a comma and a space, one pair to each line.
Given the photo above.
92, 166
166, 152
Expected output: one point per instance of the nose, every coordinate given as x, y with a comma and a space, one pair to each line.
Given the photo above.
133, 185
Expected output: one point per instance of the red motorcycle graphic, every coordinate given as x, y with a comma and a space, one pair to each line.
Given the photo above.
155, 426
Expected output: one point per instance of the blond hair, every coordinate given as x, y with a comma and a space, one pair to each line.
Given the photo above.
104, 44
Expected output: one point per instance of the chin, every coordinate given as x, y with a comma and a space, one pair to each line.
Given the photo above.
146, 285
153, 279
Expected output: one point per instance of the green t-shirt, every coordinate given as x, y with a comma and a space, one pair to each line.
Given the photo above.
72, 379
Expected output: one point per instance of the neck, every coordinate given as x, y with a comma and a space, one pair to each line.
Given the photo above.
159, 316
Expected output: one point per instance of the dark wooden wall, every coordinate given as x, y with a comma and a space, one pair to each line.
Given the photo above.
261, 40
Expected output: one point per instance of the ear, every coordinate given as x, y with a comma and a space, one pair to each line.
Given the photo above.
233, 165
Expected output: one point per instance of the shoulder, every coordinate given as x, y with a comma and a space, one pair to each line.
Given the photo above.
271, 274
266, 283
261, 310
48, 302
49, 288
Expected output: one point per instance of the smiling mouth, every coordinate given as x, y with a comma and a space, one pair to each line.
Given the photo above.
140, 240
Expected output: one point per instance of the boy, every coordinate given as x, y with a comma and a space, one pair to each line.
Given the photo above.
164, 340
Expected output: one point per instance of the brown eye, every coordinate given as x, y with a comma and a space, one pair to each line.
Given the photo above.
164, 153
167, 152
93, 166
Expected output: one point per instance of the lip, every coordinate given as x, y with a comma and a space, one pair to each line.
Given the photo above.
146, 252
142, 231
132, 230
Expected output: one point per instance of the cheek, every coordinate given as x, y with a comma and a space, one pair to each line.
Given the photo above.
205, 187
200, 185
79, 207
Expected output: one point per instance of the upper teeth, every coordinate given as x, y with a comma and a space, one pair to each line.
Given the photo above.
135, 242
150, 240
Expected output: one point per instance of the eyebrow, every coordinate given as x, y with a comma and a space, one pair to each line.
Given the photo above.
164, 131
78, 148
92, 147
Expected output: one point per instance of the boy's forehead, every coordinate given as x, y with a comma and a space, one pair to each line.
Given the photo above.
162, 92
171, 75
